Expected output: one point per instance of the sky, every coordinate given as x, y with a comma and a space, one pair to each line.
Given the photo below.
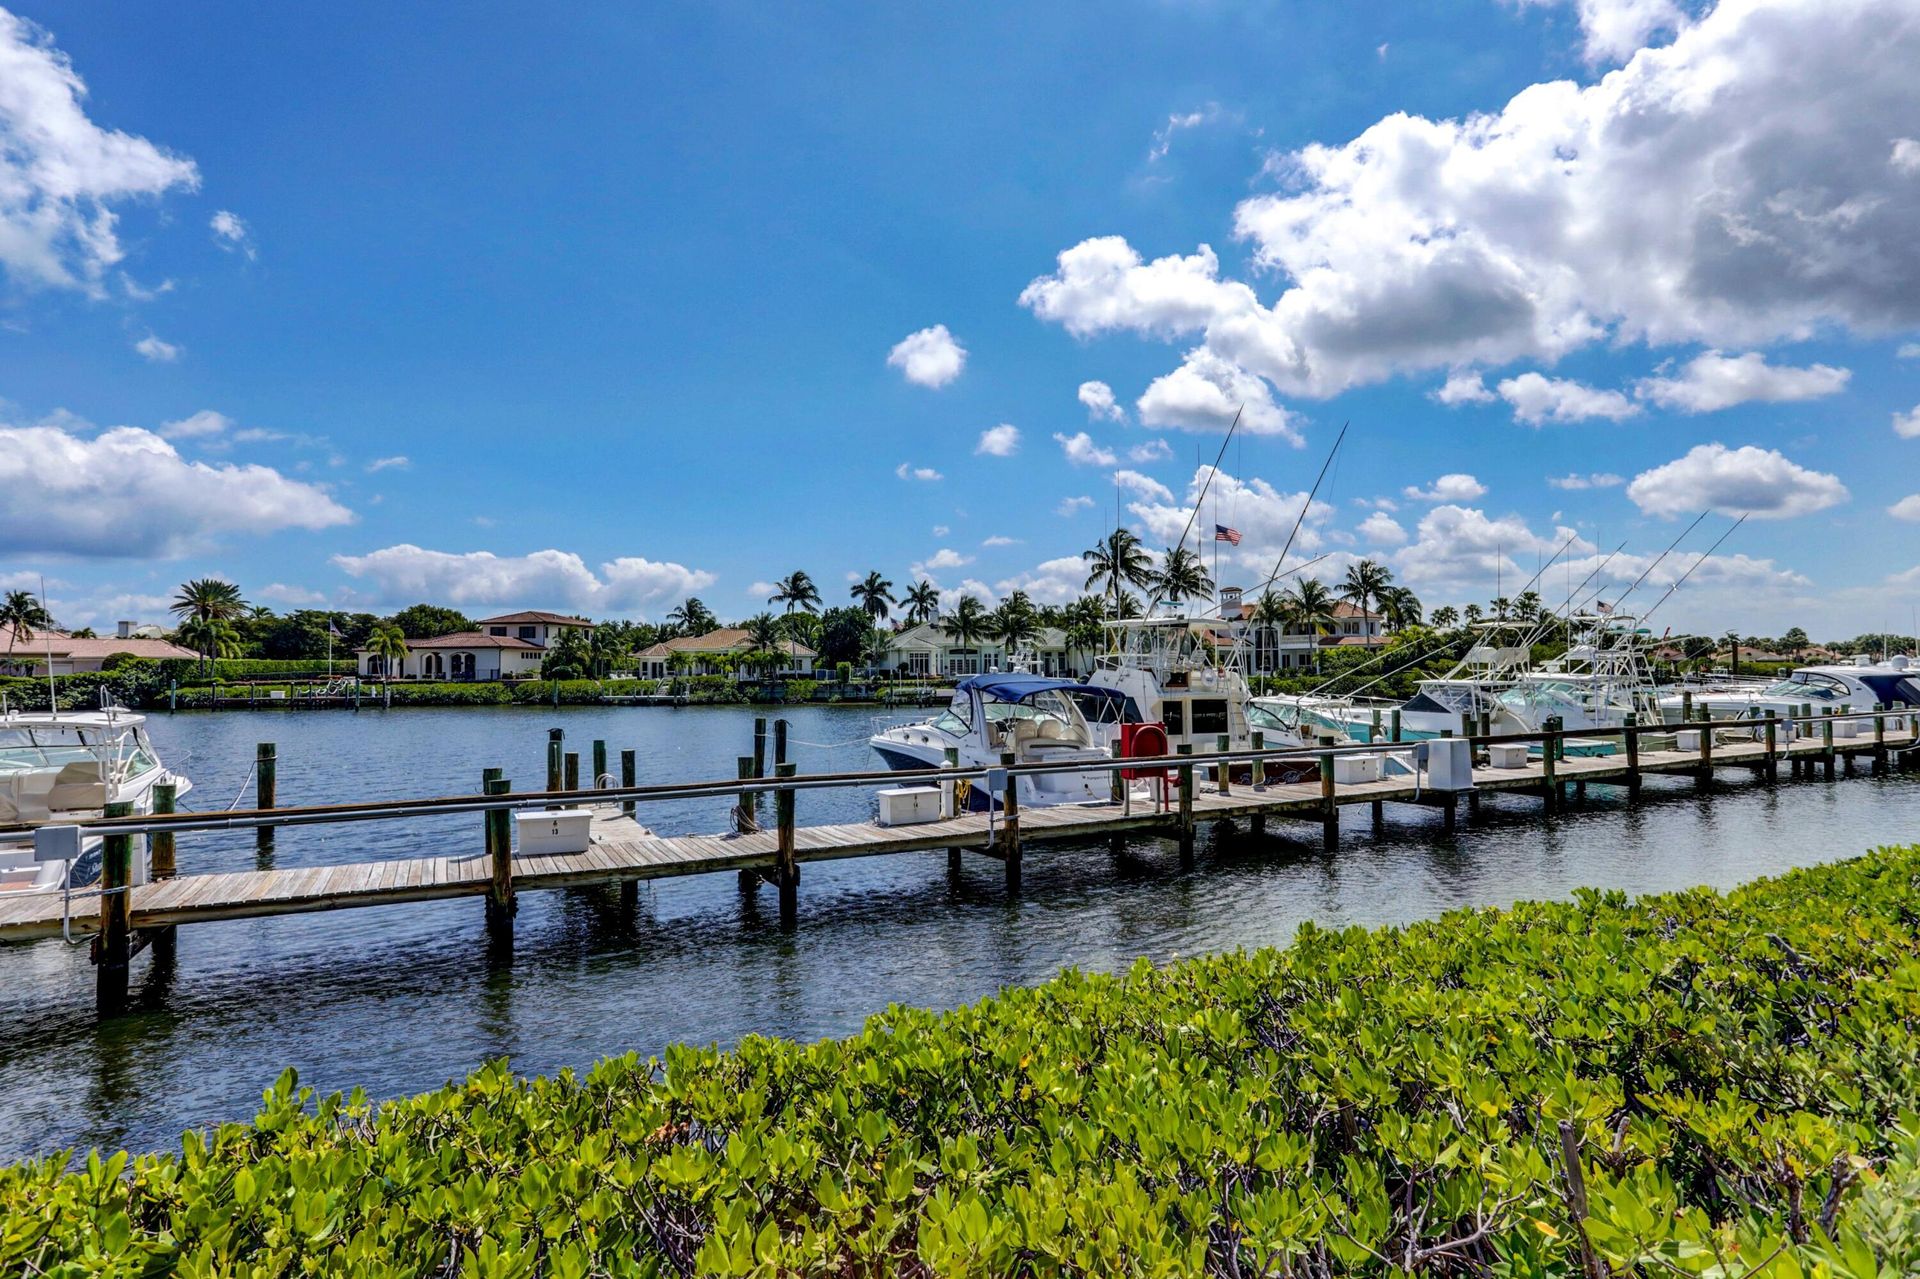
598, 307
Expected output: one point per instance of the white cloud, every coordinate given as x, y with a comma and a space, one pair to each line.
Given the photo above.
1730, 189
1906, 155
1176, 123
944, 558
295, 596
1082, 451
1616, 29
1907, 508
544, 579
1908, 351
1452, 487
1701, 572
60, 173
127, 492
1743, 481
999, 539
1907, 425
971, 586
941, 530
1101, 406
908, 471
999, 441
1712, 381
1536, 399
1595, 480
156, 351
1072, 506
396, 462
1263, 514
232, 234
931, 357
1151, 451
1382, 530
1458, 550
1056, 581
200, 425
1205, 393
760, 590
1463, 387
1143, 485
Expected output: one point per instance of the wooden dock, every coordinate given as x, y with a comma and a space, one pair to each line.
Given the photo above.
775, 855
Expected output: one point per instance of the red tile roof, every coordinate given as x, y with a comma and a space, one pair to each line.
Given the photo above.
531, 616
467, 639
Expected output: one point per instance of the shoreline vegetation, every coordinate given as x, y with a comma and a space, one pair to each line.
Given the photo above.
1694, 1083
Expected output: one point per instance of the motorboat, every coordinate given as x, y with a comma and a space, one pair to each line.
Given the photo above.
1859, 686
1035, 718
1601, 679
1181, 673
66, 767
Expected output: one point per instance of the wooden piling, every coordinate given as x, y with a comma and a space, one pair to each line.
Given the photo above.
1395, 730
556, 746
759, 746
629, 776
779, 743
161, 862
501, 903
265, 791
789, 868
1186, 807
744, 821
113, 948
1826, 742
599, 762
571, 779
1257, 822
1010, 824
1220, 778
1705, 774
1329, 809
1770, 763
1879, 737
1550, 761
1630, 731
950, 804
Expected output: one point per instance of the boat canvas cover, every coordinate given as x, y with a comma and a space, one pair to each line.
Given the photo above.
1015, 687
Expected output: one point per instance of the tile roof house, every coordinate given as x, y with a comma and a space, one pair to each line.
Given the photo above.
709, 654
510, 646
70, 656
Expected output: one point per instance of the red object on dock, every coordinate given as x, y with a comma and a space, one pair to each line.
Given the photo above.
1143, 741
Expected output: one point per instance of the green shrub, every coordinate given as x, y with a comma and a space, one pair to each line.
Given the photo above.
1692, 1084
229, 669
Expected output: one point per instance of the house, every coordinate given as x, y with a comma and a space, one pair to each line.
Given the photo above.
510, 646
928, 650
722, 652
67, 655
1277, 650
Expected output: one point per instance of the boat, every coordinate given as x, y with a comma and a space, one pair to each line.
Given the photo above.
1180, 672
1601, 679
65, 767
1859, 686
1036, 718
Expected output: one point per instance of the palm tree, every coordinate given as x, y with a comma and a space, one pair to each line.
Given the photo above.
1270, 619
22, 613
923, 602
1310, 610
1364, 583
1015, 623
1500, 605
1473, 614
212, 637
967, 624
875, 595
1119, 561
1399, 608
1446, 616
208, 598
389, 643
1182, 576
796, 590
692, 617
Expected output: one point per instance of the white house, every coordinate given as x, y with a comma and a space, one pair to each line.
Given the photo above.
510, 646
1272, 649
926, 649
721, 652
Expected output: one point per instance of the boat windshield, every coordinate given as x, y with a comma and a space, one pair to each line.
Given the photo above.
1808, 684
32, 748
1048, 704
1264, 717
957, 719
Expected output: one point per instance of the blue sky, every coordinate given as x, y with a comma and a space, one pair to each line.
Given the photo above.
589, 309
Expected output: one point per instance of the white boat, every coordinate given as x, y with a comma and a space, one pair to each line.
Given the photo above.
1859, 686
1601, 679
66, 767
1036, 718
1182, 673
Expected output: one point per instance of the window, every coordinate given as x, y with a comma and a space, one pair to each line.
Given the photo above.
1209, 716
1175, 715
496, 630
526, 632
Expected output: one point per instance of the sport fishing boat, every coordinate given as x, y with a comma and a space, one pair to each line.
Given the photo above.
1601, 679
1180, 672
66, 767
1036, 718
1861, 686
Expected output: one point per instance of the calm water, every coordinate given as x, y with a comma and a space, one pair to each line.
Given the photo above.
401, 999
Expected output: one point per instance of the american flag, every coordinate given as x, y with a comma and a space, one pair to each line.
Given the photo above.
1221, 533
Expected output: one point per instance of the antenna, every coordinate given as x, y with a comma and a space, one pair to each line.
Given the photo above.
53, 702
1201, 498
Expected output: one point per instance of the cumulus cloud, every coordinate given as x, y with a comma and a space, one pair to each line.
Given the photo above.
1452, 487
61, 175
931, 357
908, 471
1592, 480
1072, 506
1382, 530
1000, 539
155, 351
1712, 381
232, 234
1457, 549
1080, 450
1730, 189
1151, 451
543, 579
1908, 351
202, 425
1614, 30
1751, 481
1463, 387
1142, 486
1699, 570
1536, 399
999, 441
1263, 514
293, 596
1206, 392
1101, 406
1907, 425
127, 492
1907, 508
1056, 581
944, 558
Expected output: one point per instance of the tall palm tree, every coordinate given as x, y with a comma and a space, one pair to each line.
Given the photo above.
1270, 620
389, 643
1473, 613
1015, 623
796, 590
875, 594
1446, 616
208, 598
967, 623
22, 613
1399, 608
1182, 575
1119, 561
1310, 610
691, 617
212, 637
1364, 583
923, 602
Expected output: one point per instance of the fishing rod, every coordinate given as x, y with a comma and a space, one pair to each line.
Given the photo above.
1695, 568
1200, 500
1648, 571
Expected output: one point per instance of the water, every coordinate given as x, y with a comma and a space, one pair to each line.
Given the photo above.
400, 999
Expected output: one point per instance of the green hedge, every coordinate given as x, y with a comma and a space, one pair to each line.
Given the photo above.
228, 669
1692, 1084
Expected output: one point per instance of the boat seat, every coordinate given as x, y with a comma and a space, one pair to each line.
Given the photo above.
27, 794
78, 787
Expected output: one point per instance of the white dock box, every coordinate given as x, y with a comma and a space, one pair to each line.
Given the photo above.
1687, 741
1507, 755
558, 830
1348, 769
909, 805
1846, 728
1449, 764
